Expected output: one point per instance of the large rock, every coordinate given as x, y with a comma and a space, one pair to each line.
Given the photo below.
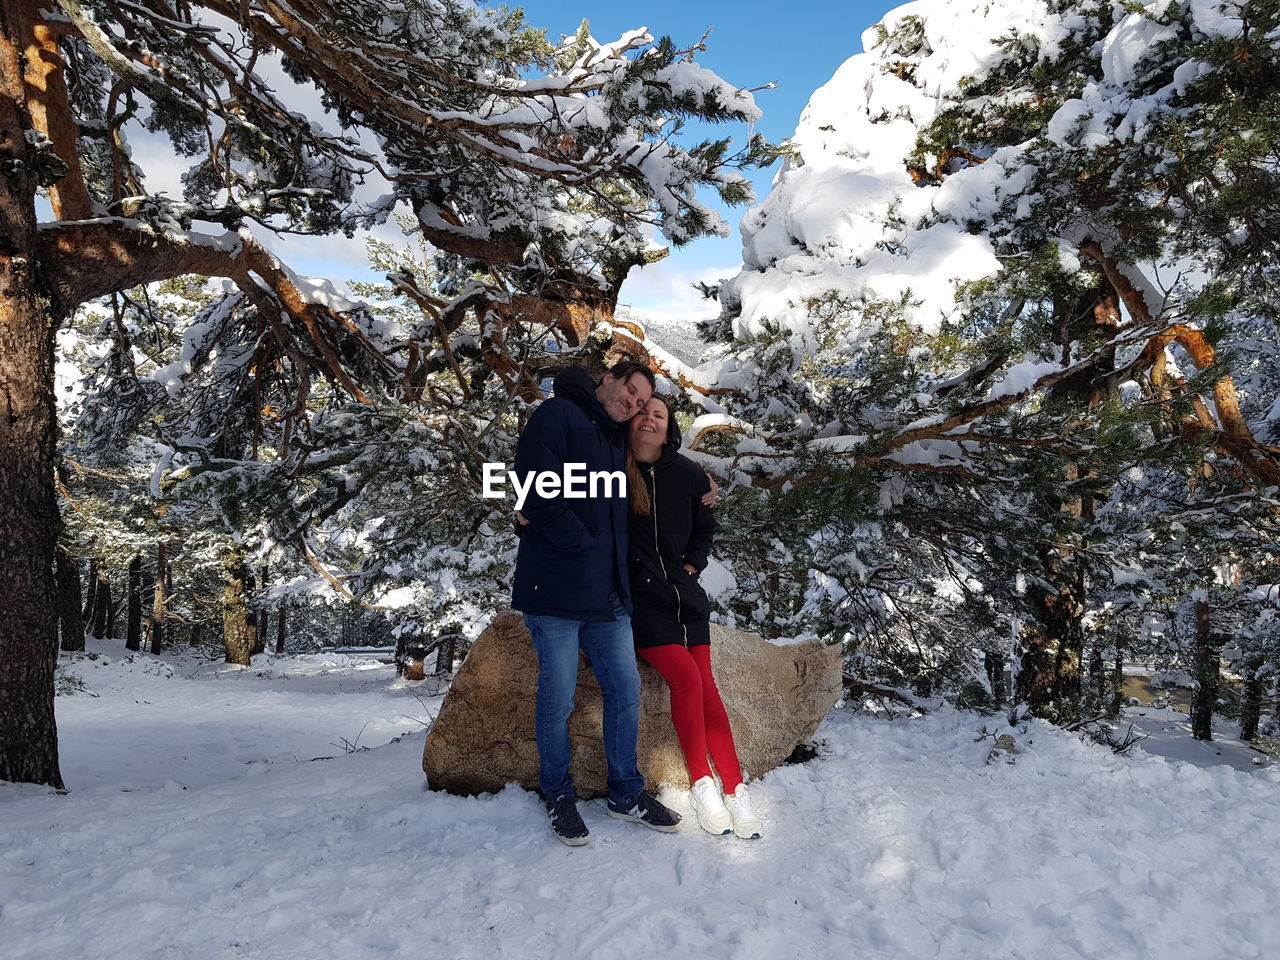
483, 738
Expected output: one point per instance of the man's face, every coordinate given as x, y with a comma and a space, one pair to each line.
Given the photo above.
622, 398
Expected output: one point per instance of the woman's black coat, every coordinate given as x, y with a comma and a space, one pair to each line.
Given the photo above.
670, 604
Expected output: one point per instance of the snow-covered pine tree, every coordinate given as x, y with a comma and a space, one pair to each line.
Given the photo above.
992, 277
546, 166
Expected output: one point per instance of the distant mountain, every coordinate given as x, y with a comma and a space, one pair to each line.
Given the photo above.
677, 333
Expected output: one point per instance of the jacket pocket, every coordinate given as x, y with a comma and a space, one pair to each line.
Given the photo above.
694, 602
650, 588
570, 538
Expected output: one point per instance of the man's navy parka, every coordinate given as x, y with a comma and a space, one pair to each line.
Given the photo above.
573, 553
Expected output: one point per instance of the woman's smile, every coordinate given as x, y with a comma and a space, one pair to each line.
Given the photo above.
650, 422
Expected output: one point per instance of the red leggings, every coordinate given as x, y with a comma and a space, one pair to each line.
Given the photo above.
697, 711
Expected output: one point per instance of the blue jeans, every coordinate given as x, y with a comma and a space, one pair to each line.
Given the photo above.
609, 647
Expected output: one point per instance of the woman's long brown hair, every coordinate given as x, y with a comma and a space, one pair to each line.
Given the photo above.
638, 490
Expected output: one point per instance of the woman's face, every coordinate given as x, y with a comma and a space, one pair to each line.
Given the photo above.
650, 424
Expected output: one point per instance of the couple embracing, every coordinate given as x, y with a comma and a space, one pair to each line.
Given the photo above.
615, 576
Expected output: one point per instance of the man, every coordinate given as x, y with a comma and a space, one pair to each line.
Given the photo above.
572, 585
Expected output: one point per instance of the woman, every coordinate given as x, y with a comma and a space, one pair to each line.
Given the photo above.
670, 532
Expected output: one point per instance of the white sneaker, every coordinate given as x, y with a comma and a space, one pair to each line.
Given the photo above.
745, 822
709, 807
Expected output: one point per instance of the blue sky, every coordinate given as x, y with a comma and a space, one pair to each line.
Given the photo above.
752, 43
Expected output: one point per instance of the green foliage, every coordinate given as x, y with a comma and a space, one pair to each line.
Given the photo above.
975, 697
1095, 478
907, 39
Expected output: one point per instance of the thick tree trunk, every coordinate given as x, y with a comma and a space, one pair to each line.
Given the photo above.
1049, 678
147, 589
1251, 710
70, 618
91, 593
1053, 643
1099, 680
445, 653
1117, 680
47, 101
260, 633
29, 521
236, 633
250, 620
160, 598
100, 618
994, 665
282, 617
344, 629
113, 611
1034, 684
260, 620
402, 648
1207, 673
133, 630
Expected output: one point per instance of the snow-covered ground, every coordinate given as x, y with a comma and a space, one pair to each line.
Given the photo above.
199, 826
196, 722
1166, 732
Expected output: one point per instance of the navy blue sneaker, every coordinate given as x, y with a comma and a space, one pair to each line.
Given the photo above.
566, 822
645, 808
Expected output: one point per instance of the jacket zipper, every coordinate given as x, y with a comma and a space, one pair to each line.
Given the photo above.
657, 548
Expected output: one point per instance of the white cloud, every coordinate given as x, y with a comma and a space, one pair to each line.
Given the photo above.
667, 287
332, 257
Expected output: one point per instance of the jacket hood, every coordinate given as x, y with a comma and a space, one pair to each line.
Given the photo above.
576, 384
674, 437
